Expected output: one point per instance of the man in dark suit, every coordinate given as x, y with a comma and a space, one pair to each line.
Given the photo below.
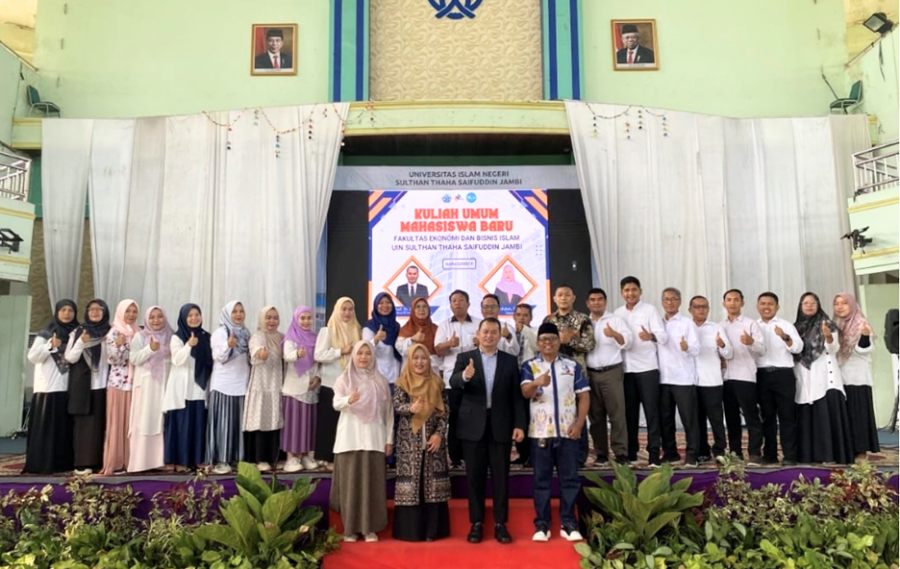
412, 289
492, 414
633, 53
273, 58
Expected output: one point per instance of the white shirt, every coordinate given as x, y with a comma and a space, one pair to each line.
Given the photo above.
823, 374
641, 356
47, 378
353, 434
709, 366
676, 366
857, 370
527, 344
387, 364
465, 330
510, 346
778, 354
742, 367
229, 377
294, 385
75, 351
180, 385
606, 350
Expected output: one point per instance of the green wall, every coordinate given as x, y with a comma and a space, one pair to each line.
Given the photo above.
109, 58
737, 58
878, 71
9, 80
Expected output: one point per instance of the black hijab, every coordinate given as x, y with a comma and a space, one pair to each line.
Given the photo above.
97, 329
62, 331
202, 352
810, 330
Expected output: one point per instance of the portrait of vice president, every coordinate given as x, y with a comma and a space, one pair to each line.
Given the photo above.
632, 52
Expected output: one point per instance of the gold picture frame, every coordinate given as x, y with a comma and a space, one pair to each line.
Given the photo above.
643, 52
267, 40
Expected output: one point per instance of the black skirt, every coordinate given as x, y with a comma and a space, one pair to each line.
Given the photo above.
423, 522
824, 430
49, 447
861, 410
262, 446
326, 425
89, 432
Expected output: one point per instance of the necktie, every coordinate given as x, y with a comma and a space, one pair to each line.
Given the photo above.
409, 290
277, 60
630, 56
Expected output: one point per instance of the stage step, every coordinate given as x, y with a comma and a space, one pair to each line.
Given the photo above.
455, 552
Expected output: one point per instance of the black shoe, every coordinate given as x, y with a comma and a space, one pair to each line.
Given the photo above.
769, 461
501, 534
476, 532
788, 462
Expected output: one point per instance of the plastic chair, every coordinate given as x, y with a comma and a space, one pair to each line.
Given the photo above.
856, 93
36, 104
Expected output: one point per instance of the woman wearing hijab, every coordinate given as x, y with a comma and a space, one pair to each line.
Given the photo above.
382, 330
300, 393
151, 355
118, 386
822, 423
509, 291
364, 438
419, 329
262, 409
855, 359
87, 355
333, 346
227, 388
184, 400
423, 481
49, 448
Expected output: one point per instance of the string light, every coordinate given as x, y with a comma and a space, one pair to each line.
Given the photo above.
627, 112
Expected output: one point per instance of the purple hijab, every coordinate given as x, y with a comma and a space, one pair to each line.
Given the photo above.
301, 338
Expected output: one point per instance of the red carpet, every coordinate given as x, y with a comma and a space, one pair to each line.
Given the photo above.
455, 552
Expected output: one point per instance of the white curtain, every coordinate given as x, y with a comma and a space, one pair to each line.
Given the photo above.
708, 203
67, 149
190, 209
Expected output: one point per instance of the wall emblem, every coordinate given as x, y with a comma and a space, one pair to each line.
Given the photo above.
455, 9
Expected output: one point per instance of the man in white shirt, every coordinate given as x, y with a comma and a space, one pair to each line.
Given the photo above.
527, 338
739, 395
641, 368
454, 336
776, 385
714, 349
606, 375
490, 308
677, 380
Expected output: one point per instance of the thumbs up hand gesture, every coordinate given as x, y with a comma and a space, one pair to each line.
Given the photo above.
416, 405
54, 341
683, 344
543, 379
380, 335
645, 334
354, 396
469, 372
301, 353
263, 353
192, 341
418, 337
232, 341
154, 344
719, 341
120, 340
746, 338
85, 336
454, 341
865, 329
608, 331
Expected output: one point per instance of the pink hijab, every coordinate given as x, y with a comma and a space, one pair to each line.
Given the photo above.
119, 324
158, 359
849, 326
374, 394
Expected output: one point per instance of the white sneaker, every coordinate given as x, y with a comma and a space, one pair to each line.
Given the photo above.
541, 535
308, 463
293, 465
573, 535
371, 537
83, 471
350, 538
263, 466
221, 468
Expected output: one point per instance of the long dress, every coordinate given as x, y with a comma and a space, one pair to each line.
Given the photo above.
227, 389
145, 434
118, 405
87, 402
298, 434
49, 448
184, 406
823, 425
857, 374
262, 420
423, 482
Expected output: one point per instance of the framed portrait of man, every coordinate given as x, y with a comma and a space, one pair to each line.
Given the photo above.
634, 45
273, 49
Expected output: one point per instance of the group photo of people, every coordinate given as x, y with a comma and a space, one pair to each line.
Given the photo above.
118, 393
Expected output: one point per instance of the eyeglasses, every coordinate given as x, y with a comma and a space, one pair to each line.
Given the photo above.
548, 339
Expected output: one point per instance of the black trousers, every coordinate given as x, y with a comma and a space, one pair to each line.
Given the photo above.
684, 399
776, 388
453, 444
642, 389
739, 398
478, 456
709, 408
